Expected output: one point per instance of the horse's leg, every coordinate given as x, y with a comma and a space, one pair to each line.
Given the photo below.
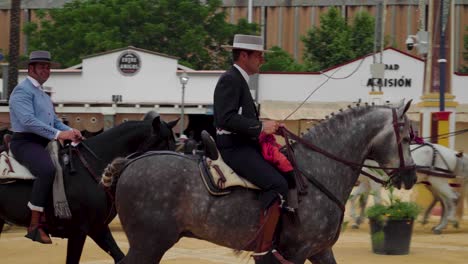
355, 195
352, 208
362, 207
442, 189
428, 210
106, 242
148, 245
324, 257
2, 223
75, 247
148, 250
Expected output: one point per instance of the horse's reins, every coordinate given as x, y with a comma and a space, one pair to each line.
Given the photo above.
96, 178
356, 166
396, 125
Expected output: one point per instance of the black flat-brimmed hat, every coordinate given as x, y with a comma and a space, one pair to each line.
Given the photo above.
247, 42
41, 56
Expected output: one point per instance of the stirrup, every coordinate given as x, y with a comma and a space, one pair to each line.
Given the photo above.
270, 256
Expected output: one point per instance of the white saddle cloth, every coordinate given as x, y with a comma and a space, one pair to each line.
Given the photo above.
10, 168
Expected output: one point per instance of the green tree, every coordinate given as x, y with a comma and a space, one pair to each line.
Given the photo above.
280, 60
14, 46
464, 68
187, 29
335, 42
362, 34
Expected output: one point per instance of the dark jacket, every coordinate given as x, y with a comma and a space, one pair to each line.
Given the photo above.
232, 94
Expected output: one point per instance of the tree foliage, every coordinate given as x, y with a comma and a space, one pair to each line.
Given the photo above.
335, 41
13, 56
464, 68
188, 29
280, 60
362, 34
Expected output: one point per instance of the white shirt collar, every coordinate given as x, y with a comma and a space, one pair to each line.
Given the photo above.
244, 73
34, 82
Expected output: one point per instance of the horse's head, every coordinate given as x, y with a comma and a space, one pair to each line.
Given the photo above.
391, 148
461, 167
162, 137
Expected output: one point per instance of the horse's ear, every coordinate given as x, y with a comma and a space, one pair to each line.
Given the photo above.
402, 109
173, 123
156, 123
150, 115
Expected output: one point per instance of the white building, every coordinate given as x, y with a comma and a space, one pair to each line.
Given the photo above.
111, 87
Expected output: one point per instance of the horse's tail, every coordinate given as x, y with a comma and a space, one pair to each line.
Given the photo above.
112, 172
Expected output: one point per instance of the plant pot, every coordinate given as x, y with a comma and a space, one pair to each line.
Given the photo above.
391, 237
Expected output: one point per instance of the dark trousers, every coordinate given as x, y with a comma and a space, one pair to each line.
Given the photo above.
247, 161
29, 150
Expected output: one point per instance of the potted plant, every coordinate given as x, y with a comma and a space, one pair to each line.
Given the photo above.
391, 225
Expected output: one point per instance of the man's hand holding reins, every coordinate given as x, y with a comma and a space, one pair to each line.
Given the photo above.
73, 135
270, 126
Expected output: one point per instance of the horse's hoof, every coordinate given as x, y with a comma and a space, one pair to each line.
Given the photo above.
355, 226
455, 224
436, 231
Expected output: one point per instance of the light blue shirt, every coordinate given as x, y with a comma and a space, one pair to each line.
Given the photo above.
32, 111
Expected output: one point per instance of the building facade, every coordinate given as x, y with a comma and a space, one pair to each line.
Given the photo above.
109, 88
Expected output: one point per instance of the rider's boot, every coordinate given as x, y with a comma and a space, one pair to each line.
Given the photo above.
35, 230
264, 251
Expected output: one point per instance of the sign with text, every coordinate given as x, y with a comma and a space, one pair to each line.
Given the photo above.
129, 63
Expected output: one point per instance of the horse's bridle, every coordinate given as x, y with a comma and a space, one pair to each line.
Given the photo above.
402, 167
357, 166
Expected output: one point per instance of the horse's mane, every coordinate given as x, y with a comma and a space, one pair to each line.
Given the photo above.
114, 132
341, 118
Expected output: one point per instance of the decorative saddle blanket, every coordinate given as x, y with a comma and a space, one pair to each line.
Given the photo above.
218, 177
10, 168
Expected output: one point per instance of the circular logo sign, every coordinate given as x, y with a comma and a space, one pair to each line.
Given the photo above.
129, 63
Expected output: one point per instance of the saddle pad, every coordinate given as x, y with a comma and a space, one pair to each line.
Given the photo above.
12, 169
224, 177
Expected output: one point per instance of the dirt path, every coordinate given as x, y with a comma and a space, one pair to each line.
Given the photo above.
352, 247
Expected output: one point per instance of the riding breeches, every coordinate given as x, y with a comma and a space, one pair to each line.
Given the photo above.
248, 162
30, 150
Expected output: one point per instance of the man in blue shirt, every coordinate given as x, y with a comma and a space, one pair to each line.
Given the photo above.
35, 124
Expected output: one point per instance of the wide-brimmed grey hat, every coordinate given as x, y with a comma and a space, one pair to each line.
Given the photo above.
42, 56
247, 42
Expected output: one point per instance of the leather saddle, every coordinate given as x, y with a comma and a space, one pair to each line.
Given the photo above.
11, 170
217, 176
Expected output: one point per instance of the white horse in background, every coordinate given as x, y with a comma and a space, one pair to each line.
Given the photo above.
360, 194
441, 163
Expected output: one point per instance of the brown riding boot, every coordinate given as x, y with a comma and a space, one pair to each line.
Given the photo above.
35, 231
264, 252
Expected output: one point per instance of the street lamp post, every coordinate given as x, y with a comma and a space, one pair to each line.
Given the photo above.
183, 80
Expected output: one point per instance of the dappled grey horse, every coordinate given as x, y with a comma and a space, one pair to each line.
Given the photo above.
160, 197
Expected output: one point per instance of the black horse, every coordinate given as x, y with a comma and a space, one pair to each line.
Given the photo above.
91, 207
170, 201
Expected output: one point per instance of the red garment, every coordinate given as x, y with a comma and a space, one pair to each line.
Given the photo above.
272, 154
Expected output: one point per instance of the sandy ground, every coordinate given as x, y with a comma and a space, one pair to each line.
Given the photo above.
352, 247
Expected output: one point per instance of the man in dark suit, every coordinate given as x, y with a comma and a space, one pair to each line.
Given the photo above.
238, 128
